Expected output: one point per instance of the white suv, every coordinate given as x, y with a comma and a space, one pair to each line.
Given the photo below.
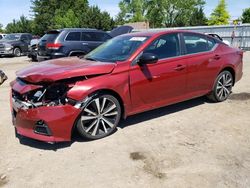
2, 36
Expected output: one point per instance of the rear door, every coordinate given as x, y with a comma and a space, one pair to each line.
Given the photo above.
201, 62
164, 82
49, 37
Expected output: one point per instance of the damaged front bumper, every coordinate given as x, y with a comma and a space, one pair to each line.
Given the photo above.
49, 123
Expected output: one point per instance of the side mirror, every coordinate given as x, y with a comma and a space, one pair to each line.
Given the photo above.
147, 58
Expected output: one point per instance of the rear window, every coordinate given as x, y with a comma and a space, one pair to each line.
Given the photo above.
73, 36
50, 37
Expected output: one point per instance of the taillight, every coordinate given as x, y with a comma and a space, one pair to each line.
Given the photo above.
53, 46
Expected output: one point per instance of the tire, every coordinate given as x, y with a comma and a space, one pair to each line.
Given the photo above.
222, 87
17, 52
100, 117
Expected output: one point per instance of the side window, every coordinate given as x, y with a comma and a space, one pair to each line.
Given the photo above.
73, 36
197, 43
1, 37
211, 43
165, 46
88, 36
25, 38
102, 36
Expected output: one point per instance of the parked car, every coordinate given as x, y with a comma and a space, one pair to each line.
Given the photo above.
32, 53
127, 75
15, 44
2, 36
3, 77
219, 38
74, 41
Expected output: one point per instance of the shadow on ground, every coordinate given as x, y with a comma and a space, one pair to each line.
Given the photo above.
132, 120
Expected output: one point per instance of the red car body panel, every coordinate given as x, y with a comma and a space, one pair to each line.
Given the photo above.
139, 88
59, 69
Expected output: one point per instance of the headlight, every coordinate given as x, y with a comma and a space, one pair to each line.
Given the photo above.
8, 46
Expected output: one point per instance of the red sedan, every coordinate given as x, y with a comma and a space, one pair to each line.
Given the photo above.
127, 75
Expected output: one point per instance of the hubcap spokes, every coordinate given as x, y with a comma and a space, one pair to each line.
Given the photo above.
224, 86
99, 116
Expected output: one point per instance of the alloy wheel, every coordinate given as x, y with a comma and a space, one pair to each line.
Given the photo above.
224, 86
100, 117
17, 52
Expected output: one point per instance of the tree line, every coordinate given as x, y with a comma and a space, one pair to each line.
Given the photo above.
54, 14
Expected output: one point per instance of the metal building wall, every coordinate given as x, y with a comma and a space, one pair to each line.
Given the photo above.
241, 39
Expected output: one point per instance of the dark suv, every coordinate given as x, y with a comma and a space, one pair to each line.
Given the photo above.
74, 41
15, 44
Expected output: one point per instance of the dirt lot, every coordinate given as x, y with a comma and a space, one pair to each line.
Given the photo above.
191, 144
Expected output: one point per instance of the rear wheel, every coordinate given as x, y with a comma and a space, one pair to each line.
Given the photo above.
17, 52
222, 88
100, 117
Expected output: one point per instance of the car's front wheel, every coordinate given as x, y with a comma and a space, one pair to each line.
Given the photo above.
222, 87
99, 118
17, 52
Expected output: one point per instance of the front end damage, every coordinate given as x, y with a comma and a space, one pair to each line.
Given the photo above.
43, 111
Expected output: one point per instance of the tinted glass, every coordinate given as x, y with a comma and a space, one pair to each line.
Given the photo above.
73, 36
50, 37
210, 43
1, 37
165, 46
196, 43
12, 37
117, 49
95, 36
89, 36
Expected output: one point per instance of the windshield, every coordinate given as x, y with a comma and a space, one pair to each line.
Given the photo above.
12, 37
117, 49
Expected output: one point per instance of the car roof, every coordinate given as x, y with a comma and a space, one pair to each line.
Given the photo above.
74, 29
20, 33
160, 32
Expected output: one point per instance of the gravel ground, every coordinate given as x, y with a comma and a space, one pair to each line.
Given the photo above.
190, 144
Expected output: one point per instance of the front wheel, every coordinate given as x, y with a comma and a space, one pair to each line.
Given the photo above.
100, 117
222, 87
17, 52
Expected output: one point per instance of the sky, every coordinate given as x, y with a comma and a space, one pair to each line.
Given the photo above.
13, 9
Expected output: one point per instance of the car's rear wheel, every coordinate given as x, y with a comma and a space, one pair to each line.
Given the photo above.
17, 52
99, 118
222, 87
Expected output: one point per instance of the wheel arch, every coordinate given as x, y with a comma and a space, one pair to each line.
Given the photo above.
231, 70
104, 91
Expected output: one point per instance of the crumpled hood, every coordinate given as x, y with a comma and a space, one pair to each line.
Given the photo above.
58, 69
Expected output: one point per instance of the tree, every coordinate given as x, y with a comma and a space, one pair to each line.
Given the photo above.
48, 12
133, 7
198, 17
23, 25
220, 15
99, 20
246, 16
1, 28
53, 14
160, 13
67, 20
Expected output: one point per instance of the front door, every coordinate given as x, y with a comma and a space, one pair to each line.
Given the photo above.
162, 83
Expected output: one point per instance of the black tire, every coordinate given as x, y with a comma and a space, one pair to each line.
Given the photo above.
222, 87
17, 52
100, 117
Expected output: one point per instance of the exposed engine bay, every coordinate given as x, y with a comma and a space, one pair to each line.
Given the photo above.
48, 94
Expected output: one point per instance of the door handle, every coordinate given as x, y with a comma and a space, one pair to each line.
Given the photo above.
180, 67
85, 44
217, 57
